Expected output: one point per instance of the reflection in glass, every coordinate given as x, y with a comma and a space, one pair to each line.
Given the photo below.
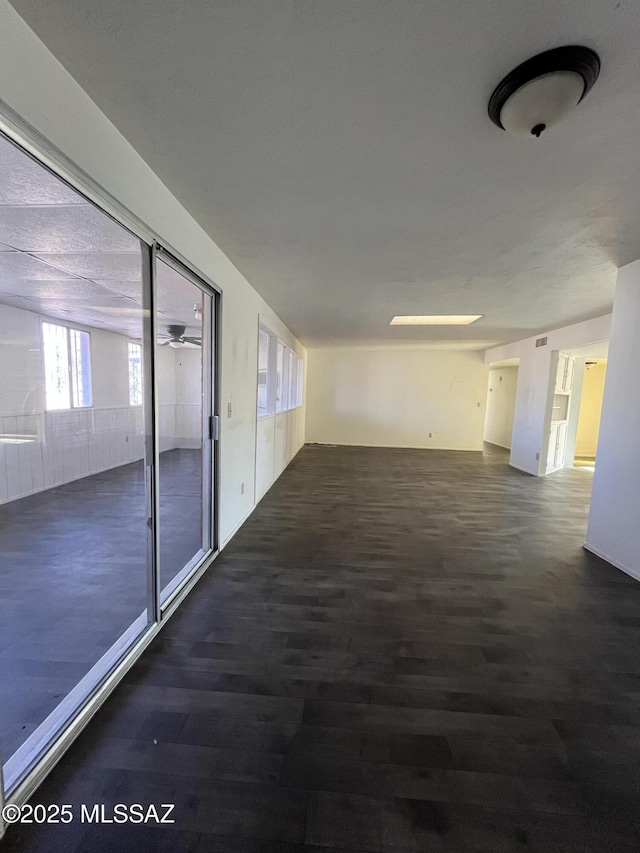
135, 374
73, 533
184, 533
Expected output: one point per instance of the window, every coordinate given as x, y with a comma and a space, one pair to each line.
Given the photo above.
264, 373
67, 365
135, 374
300, 382
280, 375
293, 379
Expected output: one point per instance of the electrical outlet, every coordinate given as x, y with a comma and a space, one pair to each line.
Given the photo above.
537, 457
242, 488
229, 410
430, 435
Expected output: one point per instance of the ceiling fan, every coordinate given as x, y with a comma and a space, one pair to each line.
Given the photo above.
177, 338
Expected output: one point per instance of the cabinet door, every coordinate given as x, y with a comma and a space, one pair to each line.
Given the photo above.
564, 376
553, 447
562, 372
568, 380
561, 440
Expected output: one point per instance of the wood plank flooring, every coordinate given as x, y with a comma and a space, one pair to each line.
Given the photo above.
401, 650
73, 578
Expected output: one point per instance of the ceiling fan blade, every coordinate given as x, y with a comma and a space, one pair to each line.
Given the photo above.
164, 343
185, 344
189, 340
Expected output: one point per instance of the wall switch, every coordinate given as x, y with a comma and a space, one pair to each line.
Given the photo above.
537, 457
242, 488
430, 435
229, 410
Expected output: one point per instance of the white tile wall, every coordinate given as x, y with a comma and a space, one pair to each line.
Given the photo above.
66, 446
188, 426
73, 444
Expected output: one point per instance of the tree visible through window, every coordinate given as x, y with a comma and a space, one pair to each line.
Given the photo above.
67, 365
135, 374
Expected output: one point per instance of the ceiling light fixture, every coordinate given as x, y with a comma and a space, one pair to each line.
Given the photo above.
543, 90
434, 319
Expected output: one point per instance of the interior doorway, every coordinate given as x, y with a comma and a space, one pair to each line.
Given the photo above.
588, 421
577, 388
501, 402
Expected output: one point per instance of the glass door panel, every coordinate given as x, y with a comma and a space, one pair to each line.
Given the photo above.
183, 382
73, 505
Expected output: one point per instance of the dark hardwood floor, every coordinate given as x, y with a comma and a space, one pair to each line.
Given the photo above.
400, 651
73, 578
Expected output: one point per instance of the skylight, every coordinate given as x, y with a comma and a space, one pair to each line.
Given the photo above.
434, 319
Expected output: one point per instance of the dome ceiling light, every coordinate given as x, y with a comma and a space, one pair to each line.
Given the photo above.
543, 90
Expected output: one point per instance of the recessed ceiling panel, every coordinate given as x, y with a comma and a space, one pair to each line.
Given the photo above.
16, 265
63, 228
110, 266
23, 181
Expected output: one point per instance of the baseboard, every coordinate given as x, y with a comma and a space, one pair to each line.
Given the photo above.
396, 446
633, 573
230, 536
497, 444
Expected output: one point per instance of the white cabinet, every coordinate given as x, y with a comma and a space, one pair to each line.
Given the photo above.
557, 443
564, 376
560, 411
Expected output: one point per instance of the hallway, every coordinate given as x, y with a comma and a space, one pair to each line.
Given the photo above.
401, 650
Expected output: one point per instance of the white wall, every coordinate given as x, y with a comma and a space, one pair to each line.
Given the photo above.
395, 397
21, 384
188, 397
501, 404
41, 92
63, 446
615, 499
279, 437
532, 413
179, 374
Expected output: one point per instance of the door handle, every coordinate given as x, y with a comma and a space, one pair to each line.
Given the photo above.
214, 428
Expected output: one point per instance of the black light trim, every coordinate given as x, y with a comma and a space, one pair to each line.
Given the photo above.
581, 60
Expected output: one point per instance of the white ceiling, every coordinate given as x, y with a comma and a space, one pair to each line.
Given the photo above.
340, 153
62, 257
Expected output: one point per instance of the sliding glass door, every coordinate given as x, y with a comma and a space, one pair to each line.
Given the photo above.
106, 452
184, 313
74, 562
